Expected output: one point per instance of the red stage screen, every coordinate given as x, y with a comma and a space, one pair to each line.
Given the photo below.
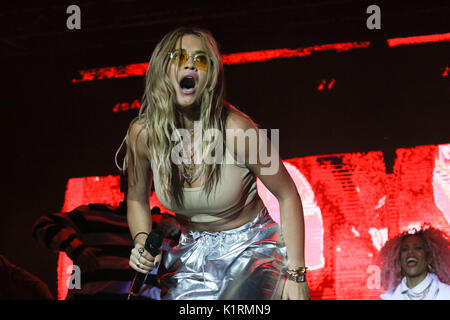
351, 208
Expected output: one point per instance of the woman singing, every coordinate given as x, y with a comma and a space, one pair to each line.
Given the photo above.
188, 141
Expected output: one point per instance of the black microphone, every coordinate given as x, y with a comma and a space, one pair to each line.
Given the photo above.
153, 246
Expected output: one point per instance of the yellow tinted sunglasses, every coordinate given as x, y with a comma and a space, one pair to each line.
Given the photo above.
180, 57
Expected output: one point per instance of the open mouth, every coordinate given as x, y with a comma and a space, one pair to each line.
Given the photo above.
411, 262
188, 84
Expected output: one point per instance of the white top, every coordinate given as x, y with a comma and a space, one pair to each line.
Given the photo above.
429, 289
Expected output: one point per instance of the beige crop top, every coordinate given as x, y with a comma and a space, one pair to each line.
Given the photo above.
235, 190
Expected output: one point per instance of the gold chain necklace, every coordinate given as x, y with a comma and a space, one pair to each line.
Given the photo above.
190, 171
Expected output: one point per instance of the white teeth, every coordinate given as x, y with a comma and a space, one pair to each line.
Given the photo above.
411, 260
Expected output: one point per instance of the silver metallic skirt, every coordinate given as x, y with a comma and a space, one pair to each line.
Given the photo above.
245, 263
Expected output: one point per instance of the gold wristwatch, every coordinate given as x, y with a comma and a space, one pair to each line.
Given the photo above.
297, 275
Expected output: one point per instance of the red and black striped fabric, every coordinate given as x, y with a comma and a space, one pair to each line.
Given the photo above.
104, 229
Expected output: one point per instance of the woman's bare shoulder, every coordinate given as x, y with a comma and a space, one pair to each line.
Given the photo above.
238, 126
236, 119
136, 127
138, 135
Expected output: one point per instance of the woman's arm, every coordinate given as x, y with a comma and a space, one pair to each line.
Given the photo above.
275, 177
138, 207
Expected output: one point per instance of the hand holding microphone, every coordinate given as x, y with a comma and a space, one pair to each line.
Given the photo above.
145, 257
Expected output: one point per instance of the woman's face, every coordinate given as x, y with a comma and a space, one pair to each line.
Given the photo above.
187, 75
413, 256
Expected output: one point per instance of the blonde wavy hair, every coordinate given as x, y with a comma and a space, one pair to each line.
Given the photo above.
160, 119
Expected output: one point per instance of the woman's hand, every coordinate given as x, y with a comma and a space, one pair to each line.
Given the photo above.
142, 261
295, 291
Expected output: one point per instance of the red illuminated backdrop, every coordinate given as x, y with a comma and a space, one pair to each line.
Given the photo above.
139, 69
351, 208
351, 205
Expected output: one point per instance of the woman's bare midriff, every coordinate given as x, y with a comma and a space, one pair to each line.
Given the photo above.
247, 214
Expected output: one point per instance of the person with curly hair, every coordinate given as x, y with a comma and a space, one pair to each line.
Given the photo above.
415, 265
